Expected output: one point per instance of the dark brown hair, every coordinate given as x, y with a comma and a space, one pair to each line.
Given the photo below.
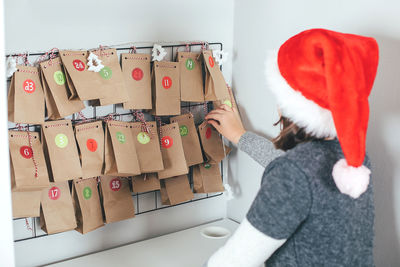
290, 135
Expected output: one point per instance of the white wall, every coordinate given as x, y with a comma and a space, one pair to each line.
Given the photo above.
262, 25
41, 25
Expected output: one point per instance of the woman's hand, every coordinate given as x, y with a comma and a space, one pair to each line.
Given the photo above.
227, 122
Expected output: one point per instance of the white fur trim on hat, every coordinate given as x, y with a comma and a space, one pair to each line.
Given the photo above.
350, 180
303, 112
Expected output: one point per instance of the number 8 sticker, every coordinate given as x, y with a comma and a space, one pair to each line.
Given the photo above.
29, 86
115, 184
54, 193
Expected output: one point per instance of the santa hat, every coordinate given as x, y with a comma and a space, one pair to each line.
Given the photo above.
322, 80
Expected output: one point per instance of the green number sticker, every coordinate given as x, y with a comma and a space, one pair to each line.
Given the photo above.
61, 140
183, 130
143, 138
106, 73
189, 64
228, 103
59, 77
121, 137
207, 165
87, 192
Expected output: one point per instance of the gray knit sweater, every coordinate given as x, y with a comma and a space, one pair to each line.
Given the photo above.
298, 201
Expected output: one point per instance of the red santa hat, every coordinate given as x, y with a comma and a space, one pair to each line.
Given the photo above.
322, 80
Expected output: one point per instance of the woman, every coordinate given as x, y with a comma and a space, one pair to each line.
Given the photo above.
315, 205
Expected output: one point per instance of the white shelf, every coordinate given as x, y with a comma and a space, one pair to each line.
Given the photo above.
187, 248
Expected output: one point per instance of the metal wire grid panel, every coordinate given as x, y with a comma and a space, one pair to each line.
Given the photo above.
197, 109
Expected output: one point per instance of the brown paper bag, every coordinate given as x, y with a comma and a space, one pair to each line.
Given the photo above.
175, 190
25, 96
82, 84
191, 77
216, 88
26, 204
90, 138
172, 152
120, 156
145, 183
166, 89
207, 178
211, 142
116, 198
190, 139
60, 148
28, 166
136, 71
57, 211
231, 102
85, 196
147, 147
56, 90
111, 79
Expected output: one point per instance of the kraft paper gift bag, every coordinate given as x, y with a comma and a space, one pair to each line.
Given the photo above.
61, 150
56, 91
57, 211
25, 96
166, 89
191, 75
86, 199
190, 139
145, 183
28, 165
90, 138
82, 84
136, 72
176, 190
111, 79
216, 88
116, 198
207, 178
26, 204
172, 152
231, 102
147, 146
211, 142
120, 156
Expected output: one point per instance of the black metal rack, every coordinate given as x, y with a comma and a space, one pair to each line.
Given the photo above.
184, 105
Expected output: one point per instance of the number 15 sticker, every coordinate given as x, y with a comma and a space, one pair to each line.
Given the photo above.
115, 184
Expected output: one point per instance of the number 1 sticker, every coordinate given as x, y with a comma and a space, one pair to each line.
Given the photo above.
115, 184
91, 144
29, 86
54, 193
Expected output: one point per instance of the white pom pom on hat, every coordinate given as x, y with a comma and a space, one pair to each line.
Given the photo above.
322, 80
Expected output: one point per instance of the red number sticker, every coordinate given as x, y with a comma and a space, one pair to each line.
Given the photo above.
137, 74
115, 184
166, 82
54, 193
29, 86
78, 65
166, 141
26, 152
208, 133
211, 61
91, 144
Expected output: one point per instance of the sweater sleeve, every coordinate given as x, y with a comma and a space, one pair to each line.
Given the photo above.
259, 148
283, 201
247, 247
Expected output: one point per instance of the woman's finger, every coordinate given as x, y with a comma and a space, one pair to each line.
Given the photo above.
214, 116
225, 107
214, 124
